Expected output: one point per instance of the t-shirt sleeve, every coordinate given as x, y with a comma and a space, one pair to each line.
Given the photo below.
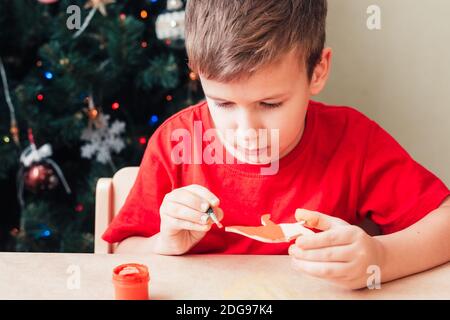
139, 216
395, 190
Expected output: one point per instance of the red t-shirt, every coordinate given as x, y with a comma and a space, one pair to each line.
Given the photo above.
345, 165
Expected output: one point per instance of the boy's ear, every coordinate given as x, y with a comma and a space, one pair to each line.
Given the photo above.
321, 72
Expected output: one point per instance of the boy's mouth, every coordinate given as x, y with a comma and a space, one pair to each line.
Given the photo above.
253, 152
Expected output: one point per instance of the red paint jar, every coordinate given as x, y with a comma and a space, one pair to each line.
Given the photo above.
131, 282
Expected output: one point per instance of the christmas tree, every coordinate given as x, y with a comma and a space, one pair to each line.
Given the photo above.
84, 85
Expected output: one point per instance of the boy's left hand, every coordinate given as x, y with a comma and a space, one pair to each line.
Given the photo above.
339, 254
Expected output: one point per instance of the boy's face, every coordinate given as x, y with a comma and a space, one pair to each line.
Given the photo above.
274, 98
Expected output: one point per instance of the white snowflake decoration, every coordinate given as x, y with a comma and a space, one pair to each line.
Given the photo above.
103, 140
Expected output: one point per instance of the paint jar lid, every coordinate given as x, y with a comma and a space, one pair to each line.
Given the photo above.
131, 273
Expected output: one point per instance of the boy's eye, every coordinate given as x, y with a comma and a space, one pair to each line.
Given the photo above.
222, 105
270, 105
264, 104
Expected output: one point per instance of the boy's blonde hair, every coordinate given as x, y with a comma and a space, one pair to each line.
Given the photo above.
230, 39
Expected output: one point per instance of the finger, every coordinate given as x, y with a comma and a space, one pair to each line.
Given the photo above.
317, 220
329, 238
204, 193
327, 270
182, 212
331, 254
349, 282
219, 213
187, 198
178, 224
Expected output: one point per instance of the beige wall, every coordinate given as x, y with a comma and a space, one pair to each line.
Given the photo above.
399, 75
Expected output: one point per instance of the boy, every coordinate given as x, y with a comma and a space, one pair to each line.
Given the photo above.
259, 63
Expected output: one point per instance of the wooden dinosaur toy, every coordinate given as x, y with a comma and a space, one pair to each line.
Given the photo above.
271, 232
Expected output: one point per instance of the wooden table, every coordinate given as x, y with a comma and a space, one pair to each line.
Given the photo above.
51, 276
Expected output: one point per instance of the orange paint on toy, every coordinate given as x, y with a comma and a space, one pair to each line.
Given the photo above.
131, 282
271, 232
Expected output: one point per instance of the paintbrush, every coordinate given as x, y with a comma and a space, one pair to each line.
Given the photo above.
212, 215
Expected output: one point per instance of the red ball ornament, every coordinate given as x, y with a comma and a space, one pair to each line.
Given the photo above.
40, 177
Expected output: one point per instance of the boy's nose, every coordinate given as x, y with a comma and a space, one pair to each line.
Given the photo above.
247, 129
247, 121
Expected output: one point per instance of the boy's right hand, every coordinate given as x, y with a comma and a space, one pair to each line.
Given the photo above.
184, 221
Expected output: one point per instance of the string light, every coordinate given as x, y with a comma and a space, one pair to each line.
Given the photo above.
14, 130
14, 232
35, 172
142, 140
153, 119
169, 97
6, 139
84, 97
144, 14
46, 233
39, 63
193, 76
92, 113
64, 61
79, 207
40, 97
48, 75
122, 16
115, 106
144, 44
